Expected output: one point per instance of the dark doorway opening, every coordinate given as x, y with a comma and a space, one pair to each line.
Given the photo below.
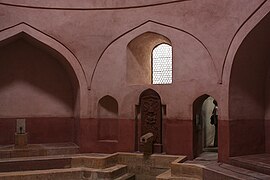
205, 125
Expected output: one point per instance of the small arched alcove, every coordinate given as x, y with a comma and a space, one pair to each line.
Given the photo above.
107, 107
139, 57
107, 118
205, 125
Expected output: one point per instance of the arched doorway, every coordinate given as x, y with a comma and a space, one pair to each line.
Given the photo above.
249, 98
244, 132
205, 123
150, 119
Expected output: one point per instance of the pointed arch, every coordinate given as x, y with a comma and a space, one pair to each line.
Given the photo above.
149, 26
235, 44
140, 57
107, 107
239, 37
58, 48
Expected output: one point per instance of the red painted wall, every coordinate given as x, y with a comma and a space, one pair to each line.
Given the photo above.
7, 130
223, 140
177, 136
40, 130
247, 137
90, 133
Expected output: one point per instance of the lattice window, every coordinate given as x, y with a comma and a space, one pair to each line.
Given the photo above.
162, 64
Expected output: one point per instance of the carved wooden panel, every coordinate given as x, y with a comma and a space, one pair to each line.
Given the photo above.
151, 118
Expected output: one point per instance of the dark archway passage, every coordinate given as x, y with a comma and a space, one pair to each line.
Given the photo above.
249, 97
205, 134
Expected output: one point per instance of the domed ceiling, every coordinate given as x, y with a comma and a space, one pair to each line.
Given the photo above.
87, 4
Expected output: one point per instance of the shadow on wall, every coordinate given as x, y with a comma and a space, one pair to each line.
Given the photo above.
36, 84
249, 97
33, 82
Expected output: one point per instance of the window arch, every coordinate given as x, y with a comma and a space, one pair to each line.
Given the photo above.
162, 64
139, 57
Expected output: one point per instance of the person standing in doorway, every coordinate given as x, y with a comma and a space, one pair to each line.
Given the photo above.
214, 121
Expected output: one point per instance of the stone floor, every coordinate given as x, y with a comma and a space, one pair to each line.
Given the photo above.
257, 162
60, 161
244, 167
90, 166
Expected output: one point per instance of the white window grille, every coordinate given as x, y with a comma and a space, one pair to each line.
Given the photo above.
162, 64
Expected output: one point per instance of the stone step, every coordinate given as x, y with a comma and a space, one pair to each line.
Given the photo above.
107, 173
168, 176
226, 171
127, 176
187, 170
258, 162
56, 162
211, 171
9, 151
118, 172
56, 174
216, 170
34, 164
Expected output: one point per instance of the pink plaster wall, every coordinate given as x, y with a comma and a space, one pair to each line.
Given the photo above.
93, 36
196, 18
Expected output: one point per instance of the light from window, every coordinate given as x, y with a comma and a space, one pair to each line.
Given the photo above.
162, 64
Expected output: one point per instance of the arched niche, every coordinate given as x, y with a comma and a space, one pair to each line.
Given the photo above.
139, 54
36, 81
107, 119
107, 107
58, 50
249, 98
150, 120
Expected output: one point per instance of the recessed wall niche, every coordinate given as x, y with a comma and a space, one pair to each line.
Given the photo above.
107, 107
139, 55
107, 119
